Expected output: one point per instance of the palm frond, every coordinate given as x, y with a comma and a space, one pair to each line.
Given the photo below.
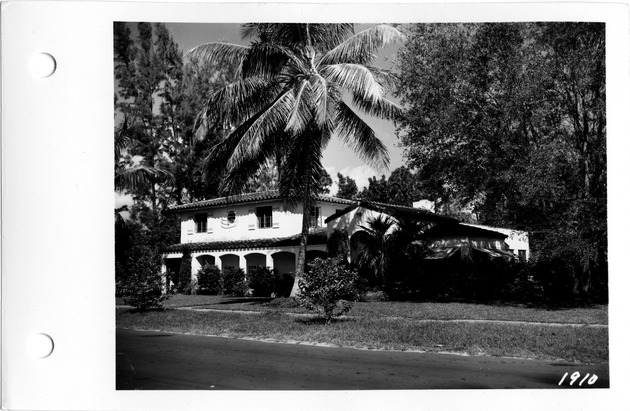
366, 88
121, 139
357, 134
380, 108
240, 100
386, 78
222, 54
268, 60
269, 121
323, 36
301, 113
363, 46
320, 98
302, 169
234, 180
133, 178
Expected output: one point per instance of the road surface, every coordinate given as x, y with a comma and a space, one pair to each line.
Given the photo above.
166, 361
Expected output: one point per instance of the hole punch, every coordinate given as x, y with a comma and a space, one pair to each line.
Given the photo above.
43, 65
40, 345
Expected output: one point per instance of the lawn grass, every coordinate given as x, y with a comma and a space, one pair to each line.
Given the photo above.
398, 332
410, 310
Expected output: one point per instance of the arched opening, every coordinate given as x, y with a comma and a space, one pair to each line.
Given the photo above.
284, 268
255, 260
284, 262
229, 261
313, 254
205, 260
172, 269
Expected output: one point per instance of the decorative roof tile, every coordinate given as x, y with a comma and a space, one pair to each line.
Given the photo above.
315, 237
247, 198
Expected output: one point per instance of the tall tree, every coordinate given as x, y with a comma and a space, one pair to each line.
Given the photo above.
286, 102
158, 100
510, 119
347, 187
402, 188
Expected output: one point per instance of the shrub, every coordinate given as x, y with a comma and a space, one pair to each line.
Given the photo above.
209, 281
143, 287
263, 281
328, 288
234, 282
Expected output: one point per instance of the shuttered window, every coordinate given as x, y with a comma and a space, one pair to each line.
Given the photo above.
264, 216
201, 222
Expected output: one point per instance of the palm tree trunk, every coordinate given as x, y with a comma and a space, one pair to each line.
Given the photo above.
306, 217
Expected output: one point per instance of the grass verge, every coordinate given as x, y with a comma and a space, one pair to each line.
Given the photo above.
574, 344
597, 314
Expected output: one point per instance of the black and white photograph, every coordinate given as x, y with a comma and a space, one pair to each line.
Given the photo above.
338, 206
316, 205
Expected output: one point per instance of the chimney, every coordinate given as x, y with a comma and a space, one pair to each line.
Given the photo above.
426, 205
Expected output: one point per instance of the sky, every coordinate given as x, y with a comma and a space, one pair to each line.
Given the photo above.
336, 157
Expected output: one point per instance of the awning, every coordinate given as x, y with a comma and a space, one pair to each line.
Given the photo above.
440, 253
447, 252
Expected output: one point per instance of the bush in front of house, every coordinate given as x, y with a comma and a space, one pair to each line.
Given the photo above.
234, 282
142, 288
328, 287
209, 280
263, 281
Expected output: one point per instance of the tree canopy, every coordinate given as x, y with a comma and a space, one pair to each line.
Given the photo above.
509, 119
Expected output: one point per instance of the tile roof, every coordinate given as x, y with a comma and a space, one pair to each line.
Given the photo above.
248, 198
393, 210
315, 237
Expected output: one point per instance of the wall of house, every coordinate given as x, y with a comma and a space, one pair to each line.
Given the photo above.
280, 259
517, 241
245, 226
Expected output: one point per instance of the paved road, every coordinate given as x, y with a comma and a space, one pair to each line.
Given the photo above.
166, 361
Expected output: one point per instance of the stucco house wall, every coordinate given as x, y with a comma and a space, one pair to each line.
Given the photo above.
232, 235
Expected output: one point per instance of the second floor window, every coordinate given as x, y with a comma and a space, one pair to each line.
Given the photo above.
264, 217
315, 211
201, 223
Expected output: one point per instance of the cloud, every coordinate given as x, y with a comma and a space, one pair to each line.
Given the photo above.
360, 174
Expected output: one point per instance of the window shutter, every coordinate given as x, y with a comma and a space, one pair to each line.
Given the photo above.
190, 224
252, 226
275, 210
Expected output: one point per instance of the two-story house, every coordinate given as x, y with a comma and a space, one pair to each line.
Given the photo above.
256, 229
249, 230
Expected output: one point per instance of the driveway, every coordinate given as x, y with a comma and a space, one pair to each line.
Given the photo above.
166, 361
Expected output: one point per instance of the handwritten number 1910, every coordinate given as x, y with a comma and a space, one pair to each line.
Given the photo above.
576, 376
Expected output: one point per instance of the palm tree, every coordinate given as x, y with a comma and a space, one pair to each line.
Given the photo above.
375, 250
135, 176
290, 96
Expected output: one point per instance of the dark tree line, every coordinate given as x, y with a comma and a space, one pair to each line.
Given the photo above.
160, 158
510, 119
